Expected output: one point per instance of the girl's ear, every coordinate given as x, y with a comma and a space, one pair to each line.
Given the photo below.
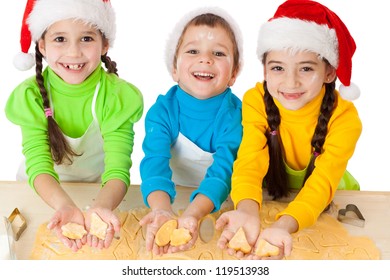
264, 73
41, 47
330, 74
106, 46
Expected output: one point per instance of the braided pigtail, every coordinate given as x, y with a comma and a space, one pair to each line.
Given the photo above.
110, 65
321, 129
276, 180
60, 149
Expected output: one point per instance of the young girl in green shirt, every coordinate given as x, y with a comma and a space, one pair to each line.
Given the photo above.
76, 118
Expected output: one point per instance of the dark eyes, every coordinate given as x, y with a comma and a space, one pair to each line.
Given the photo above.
216, 53
219, 54
307, 69
303, 69
277, 68
87, 39
192, 52
83, 39
59, 39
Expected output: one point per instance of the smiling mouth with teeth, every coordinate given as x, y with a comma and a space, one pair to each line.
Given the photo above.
203, 76
74, 66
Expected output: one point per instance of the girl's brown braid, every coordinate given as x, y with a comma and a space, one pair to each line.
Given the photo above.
276, 177
318, 140
60, 149
110, 65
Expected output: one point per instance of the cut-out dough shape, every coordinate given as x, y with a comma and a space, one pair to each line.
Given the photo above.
305, 243
73, 231
239, 242
332, 240
163, 235
98, 227
266, 249
180, 236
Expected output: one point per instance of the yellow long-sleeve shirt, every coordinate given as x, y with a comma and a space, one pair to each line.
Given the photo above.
296, 131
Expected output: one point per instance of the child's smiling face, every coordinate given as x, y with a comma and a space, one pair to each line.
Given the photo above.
295, 79
72, 49
204, 65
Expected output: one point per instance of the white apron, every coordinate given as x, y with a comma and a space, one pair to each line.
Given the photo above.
90, 165
189, 163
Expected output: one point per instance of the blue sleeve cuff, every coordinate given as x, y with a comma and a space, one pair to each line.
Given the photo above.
215, 189
157, 184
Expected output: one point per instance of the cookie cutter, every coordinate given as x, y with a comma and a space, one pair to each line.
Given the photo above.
18, 223
351, 215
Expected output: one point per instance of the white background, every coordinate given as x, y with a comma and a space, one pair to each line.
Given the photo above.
142, 30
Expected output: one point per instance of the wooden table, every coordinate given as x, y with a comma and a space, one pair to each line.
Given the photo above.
375, 207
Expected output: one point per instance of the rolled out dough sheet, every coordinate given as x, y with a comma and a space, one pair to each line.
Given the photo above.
327, 239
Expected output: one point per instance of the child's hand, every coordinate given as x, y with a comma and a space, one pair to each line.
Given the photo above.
154, 220
190, 223
112, 221
230, 222
278, 237
63, 216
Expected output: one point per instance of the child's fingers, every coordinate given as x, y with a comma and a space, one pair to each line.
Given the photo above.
224, 239
54, 221
149, 238
222, 221
109, 237
287, 246
147, 219
79, 243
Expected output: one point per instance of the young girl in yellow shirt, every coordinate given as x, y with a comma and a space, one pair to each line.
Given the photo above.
298, 131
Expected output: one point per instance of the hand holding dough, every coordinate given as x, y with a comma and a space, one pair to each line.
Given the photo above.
239, 242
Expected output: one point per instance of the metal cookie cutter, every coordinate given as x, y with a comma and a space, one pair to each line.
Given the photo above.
18, 223
351, 215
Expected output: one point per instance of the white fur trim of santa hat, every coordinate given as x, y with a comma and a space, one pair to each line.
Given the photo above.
96, 12
41, 14
177, 31
295, 34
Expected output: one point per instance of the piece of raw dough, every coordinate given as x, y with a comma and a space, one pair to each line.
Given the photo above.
98, 227
163, 235
266, 249
73, 231
180, 236
239, 242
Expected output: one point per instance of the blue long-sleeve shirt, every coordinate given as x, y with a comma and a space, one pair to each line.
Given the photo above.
213, 124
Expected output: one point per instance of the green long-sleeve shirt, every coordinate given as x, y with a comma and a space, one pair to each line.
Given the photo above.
118, 106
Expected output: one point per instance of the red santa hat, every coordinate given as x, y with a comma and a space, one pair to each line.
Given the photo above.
308, 25
177, 31
40, 14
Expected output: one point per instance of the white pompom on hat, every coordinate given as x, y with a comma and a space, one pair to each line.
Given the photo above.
177, 31
40, 14
308, 25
